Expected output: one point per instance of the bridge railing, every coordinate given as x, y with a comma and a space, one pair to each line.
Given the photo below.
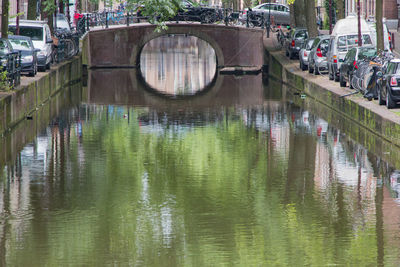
224, 16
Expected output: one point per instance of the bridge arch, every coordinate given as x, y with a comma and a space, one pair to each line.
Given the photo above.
135, 57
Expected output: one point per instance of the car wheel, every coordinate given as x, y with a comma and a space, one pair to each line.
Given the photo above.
287, 53
310, 69
316, 71
330, 74
336, 77
380, 99
341, 81
302, 66
47, 66
389, 101
351, 81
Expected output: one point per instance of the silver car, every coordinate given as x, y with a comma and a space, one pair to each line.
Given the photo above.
303, 54
317, 61
280, 14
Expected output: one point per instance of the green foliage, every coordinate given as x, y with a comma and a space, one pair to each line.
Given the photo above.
49, 7
4, 83
158, 11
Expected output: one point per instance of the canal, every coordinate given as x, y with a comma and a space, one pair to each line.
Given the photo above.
174, 164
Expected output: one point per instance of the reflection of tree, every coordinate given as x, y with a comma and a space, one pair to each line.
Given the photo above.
194, 189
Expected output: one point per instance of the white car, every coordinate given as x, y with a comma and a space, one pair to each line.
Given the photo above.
40, 34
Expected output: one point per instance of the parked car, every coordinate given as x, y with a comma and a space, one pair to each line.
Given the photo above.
28, 53
293, 42
40, 34
389, 91
10, 60
304, 51
344, 36
63, 23
349, 64
317, 57
280, 14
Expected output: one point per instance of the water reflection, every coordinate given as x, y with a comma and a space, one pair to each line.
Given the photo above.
178, 64
130, 178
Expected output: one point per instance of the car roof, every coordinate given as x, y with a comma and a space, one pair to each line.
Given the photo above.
395, 60
24, 22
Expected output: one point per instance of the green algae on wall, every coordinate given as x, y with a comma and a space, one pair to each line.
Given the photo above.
19, 103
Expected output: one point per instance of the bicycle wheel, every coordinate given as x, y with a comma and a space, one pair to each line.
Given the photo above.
70, 48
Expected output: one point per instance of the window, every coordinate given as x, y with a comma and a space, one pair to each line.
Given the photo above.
390, 68
36, 33
341, 43
309, 44
301, 35
316, 41
3, 48
20, 44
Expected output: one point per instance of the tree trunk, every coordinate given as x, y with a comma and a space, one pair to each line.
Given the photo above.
379, 25
340, 9
61, 7
292, 17
4, 18
299, 8
311, 18
32, 9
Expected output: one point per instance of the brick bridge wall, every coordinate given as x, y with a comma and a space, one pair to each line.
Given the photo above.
121, 47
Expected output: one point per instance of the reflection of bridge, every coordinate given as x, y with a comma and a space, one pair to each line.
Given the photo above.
121, 46
124, 87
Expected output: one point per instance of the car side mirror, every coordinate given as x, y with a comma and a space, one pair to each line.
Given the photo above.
341, 60
36, 50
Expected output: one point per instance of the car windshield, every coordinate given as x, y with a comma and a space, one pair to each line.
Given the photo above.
22, 45
36, 33
348, 41
3, 48
366, 53
62, 24
309, 44
301, 35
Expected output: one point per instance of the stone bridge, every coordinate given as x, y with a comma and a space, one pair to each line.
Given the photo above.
121, 46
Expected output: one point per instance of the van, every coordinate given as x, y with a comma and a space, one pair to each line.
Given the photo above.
344, 37
386, 35
40, 34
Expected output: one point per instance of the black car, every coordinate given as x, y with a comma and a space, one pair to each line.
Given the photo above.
10, 61
389, 91
294, 41
349, 64
29, 60
189, 11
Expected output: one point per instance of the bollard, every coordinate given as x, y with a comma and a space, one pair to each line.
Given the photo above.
106, 20
127, 19
226, 17
247, 19
87, 22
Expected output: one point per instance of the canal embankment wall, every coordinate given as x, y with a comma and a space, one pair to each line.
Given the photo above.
377, 119
20, 103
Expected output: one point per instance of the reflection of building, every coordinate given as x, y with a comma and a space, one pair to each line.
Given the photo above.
178, 64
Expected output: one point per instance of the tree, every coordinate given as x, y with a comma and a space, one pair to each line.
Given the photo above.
32, 9
379, 25
48, 9
299, 8
311, 18
4, 18
340, 9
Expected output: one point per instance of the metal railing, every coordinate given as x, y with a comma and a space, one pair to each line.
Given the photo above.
207, 16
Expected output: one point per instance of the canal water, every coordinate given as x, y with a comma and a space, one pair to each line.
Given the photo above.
216, 170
